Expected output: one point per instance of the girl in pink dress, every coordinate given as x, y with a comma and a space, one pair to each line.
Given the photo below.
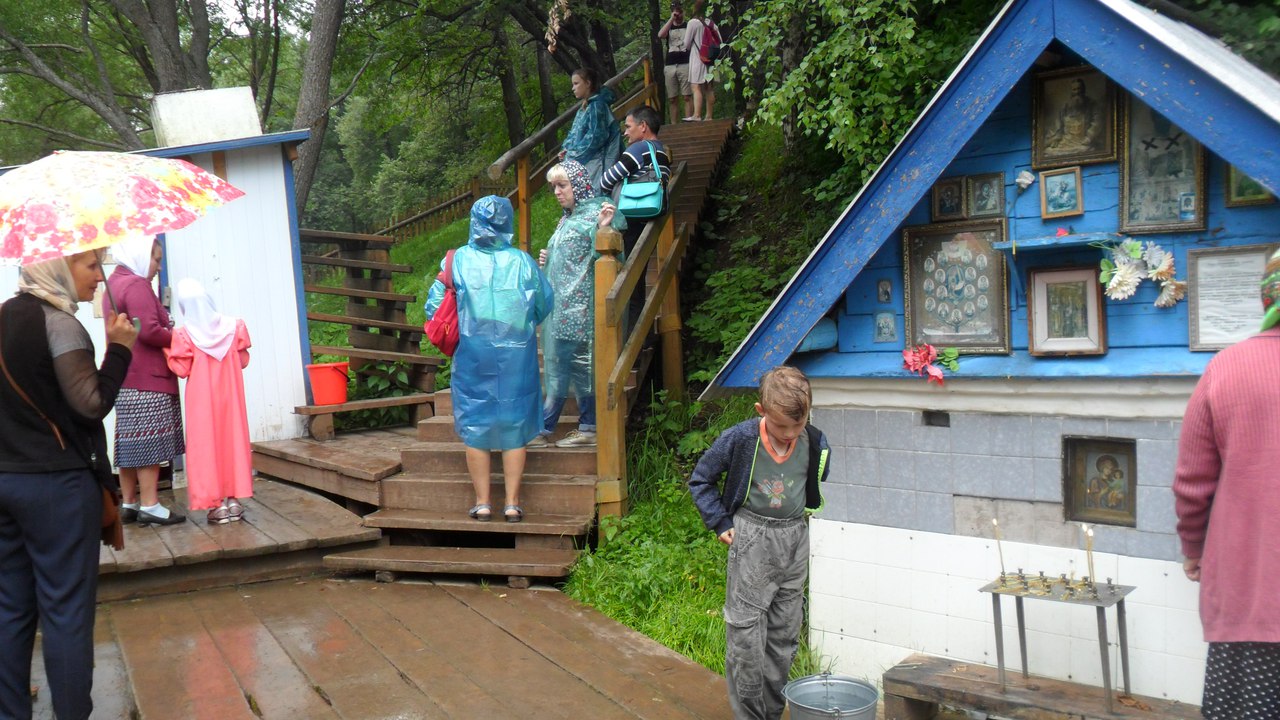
211, 350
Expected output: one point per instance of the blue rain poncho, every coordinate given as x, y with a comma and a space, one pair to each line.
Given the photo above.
594, 139
502, 297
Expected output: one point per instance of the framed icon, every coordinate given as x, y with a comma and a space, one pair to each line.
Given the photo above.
1065, 312
1061, 193
948, 199
1073, 118
1162, 182
955, 292
985, 195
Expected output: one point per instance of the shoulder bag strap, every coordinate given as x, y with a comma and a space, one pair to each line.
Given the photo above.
657, 171
447, 273
27, 399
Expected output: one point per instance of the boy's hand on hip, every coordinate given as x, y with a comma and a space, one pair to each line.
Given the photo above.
726, 537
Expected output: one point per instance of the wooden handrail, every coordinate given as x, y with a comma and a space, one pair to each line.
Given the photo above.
630, 276
430, 211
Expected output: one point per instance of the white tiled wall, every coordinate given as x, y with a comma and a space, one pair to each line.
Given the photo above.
878, 594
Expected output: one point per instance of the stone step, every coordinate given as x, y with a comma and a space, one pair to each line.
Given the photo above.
440, 429
520, 562
547, 494
437, 457
459, 521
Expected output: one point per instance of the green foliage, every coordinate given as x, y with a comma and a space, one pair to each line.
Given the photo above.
376, 380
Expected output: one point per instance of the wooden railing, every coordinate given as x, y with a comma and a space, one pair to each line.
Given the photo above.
442, 209
531, 174
616, 353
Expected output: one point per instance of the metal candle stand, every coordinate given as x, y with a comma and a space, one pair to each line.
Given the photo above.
1060, 589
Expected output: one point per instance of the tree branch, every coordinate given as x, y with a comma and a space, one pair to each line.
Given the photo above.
63, 133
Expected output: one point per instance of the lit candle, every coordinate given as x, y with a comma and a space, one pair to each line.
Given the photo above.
1088, 550
996, 524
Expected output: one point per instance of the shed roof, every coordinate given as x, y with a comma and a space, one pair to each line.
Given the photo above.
1230, 106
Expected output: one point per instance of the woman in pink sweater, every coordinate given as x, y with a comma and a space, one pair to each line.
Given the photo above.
1227, 488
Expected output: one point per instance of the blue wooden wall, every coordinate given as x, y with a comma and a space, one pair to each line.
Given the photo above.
1143, 340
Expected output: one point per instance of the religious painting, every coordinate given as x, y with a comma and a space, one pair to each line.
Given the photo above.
1243, 190
1065, 312
985, 194
884, 291
1100, 480
948, 199
1061, 193
886, 328
954, 286
1162, 183
1073, 119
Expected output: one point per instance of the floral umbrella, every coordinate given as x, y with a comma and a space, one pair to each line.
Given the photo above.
70, 202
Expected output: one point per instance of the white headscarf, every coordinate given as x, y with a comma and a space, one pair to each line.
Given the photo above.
135, 254
210, 330
52, 282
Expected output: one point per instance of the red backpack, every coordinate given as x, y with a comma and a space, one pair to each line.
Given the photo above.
442, 329
709, 47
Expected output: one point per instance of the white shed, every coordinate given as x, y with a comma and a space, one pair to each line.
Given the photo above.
248, 257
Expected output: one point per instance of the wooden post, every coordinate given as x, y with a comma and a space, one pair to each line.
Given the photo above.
669, 319
611, 417
524, 209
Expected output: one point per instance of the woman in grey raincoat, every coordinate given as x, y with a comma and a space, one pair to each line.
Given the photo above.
569, 334
502, 297
594, 139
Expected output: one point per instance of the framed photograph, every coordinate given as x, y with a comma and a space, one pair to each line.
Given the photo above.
1073, 118
1162, 183
955, 291
985, 195
884, 291
1100, 480
1061, 193
1222, 294
886, 328
1243, 190
1065, 312
948, 199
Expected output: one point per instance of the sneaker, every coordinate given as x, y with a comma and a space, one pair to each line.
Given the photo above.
578, 438
538, 441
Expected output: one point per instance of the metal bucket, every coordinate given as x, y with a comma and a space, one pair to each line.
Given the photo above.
817, 697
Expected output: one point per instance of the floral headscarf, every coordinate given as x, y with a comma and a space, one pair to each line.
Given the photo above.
1271, 292
579, 182
52, 282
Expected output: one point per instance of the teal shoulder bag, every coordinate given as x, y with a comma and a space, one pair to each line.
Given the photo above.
643, 200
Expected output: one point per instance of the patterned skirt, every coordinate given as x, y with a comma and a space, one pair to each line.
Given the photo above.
1242, 681
148, 428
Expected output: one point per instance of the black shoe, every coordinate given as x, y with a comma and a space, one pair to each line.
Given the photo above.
128, 515
145, 518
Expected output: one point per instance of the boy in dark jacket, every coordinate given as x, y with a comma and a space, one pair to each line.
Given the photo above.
771, 468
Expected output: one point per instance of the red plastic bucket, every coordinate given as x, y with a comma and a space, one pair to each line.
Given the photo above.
328, 383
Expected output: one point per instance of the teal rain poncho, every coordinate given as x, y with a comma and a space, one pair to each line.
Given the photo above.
502, 297
594, 138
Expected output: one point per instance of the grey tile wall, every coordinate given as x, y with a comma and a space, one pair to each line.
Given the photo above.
891, 469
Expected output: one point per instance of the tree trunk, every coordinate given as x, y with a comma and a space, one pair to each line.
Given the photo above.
657, 59
313, 97
510, 88
604, 45
546, 93
158, 22
792, 52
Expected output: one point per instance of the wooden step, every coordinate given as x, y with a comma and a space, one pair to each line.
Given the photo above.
452, 492
367, 404
382, 355
357, 293
346, 238
527, 562
440, 428
356, 264
459, 521
366, 322
430, 458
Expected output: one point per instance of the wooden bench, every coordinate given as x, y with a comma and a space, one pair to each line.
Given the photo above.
320, 417
915, 688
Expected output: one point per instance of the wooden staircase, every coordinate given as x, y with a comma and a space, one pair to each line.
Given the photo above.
700, 146
376, 317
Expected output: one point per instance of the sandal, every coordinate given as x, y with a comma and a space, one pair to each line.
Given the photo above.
218, 516
482, 512
235, 510
513, 513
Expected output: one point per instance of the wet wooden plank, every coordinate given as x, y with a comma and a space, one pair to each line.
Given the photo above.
328, 481
106, 560
144, 549
175, 666
340, 455
644, 700
450, 687
505, 666
260, 665
352, 675
189, 543
112, 692
327, 522
694, 687
283, 532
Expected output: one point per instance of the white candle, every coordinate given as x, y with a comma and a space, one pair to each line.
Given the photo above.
996, 524
1088, 549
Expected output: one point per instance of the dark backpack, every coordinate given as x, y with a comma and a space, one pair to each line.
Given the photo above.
442, 329
709, 46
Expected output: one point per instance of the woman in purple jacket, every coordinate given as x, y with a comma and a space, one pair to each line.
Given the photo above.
148, 415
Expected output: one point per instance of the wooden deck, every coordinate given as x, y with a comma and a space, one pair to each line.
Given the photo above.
361, 650
349, 465
286, 532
